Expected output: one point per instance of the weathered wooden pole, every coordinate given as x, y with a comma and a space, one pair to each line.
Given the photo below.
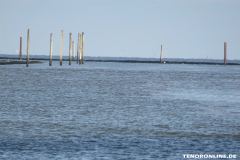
83, 38
70, 48
161, 53
80, 50
20, 56
61, 47
73, 43
51, 45
225, 53
78, 47
0, 32
28, 42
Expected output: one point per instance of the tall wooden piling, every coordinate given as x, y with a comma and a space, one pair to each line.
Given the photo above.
70, 48
20, 55
28, 43
61, 47
80, 50
73, 44
83, 38
78, 46
51, 45
161, 53
225, 53
0, 33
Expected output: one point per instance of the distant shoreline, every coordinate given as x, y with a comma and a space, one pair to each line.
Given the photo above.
6, 62
36, 60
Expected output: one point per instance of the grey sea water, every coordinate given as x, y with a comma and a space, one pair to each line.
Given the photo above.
118, 111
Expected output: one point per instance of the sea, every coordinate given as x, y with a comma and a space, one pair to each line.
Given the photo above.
113, 111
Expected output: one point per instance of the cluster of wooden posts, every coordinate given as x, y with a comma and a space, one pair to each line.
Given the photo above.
80, 48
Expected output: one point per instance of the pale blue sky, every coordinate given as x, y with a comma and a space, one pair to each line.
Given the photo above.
124, 28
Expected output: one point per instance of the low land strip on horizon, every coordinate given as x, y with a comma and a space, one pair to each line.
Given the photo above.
36, 60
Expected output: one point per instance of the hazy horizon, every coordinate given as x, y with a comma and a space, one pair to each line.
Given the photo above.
136, 28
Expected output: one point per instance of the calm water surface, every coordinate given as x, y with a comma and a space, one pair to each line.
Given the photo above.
118, 111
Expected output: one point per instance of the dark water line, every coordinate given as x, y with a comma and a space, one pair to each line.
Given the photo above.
169, 62
18, 62
127, 61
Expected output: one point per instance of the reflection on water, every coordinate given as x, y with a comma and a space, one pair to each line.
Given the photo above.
117, 110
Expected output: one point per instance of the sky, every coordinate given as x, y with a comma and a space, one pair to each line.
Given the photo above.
124, 28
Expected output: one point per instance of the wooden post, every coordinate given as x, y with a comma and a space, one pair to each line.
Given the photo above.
78, 47
51, 45
28, 42
70, 48
225, 53
161, 53
83, 38
73, 43
0, 33
61, 47
20, 56
80, 50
